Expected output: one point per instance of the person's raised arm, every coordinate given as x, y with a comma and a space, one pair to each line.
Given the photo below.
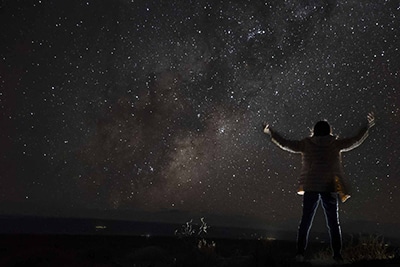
353, 142
285, 144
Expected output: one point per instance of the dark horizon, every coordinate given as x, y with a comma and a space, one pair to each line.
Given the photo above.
166, 223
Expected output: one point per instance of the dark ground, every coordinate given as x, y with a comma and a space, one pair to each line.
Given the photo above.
106, 250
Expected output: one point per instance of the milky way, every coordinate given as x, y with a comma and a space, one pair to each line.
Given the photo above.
159, 105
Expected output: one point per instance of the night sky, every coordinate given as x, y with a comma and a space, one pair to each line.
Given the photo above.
157, 106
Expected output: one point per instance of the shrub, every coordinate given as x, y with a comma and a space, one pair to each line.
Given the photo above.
207, 248
187, 229
363, 248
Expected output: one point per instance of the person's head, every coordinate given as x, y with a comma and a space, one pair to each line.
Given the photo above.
322, 128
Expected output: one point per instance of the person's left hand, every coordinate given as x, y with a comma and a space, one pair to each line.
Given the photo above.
267, 129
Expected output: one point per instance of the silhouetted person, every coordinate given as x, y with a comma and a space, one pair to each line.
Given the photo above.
321, 178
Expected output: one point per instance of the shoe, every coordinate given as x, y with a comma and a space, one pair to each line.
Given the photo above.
338, 258
299, 258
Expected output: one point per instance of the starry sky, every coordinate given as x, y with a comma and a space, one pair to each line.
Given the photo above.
158, 105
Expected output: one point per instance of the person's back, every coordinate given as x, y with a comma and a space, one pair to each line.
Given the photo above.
321, 162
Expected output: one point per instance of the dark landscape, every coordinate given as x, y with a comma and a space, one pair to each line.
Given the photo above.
101, 246
105, 250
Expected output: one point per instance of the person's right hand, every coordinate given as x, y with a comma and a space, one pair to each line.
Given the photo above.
371, 119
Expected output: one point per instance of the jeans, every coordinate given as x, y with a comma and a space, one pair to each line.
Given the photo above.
331, 208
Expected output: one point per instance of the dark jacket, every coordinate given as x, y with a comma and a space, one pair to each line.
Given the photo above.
322, 169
